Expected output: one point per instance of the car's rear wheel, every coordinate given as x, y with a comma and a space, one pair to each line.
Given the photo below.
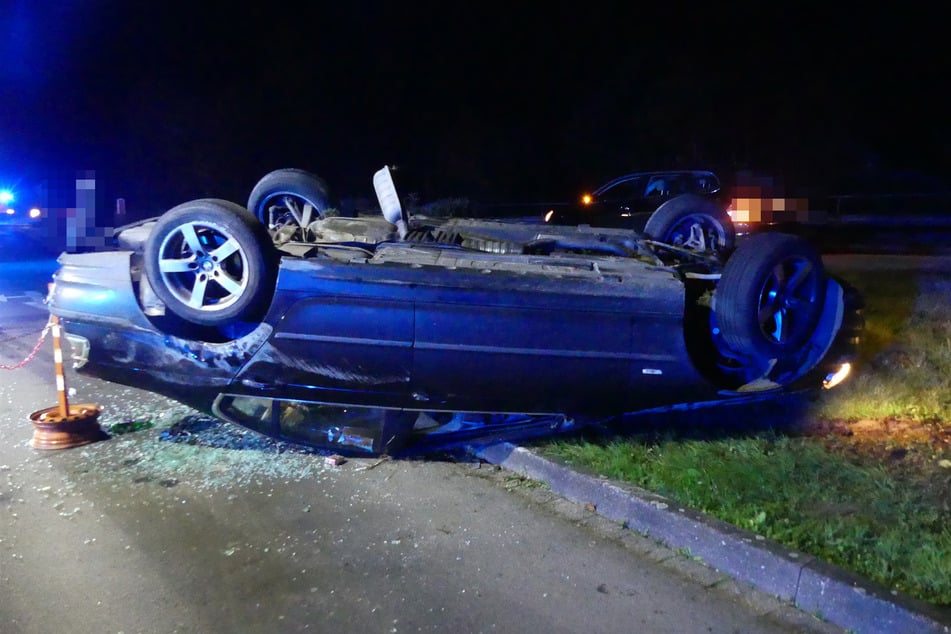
692, 222
769, 298
211, 262
289, 196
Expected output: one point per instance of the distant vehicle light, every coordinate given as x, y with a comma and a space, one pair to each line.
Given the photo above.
6, 197
549, 214
10, 211
35, 212
838, 376
586, 199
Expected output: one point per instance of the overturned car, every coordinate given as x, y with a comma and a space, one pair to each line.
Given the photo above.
366, 333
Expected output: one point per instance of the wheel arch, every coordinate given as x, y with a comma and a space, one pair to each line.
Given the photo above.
667, 218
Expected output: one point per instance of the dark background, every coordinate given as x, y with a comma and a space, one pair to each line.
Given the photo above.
168, 101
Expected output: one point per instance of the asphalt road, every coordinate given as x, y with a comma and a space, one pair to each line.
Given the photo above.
138, 534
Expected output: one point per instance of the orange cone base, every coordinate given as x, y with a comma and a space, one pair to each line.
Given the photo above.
52, 430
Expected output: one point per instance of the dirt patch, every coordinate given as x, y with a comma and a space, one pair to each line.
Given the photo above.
915, 453
889, 430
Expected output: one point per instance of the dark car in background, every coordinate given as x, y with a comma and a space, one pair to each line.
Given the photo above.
646, 201
628, 200
365, 333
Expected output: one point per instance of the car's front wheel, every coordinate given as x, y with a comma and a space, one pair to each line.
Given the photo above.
770, 298
692, 222
211, 262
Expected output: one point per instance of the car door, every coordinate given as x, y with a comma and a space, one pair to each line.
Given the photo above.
515, 342
343, 334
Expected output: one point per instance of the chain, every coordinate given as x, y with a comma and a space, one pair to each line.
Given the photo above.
36, 349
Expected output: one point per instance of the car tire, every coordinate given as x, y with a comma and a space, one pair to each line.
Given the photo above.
287, 191
692, 222
769, 298
211, 262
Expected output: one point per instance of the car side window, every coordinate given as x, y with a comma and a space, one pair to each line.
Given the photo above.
657, 186
677, 185
624, 191
706, 184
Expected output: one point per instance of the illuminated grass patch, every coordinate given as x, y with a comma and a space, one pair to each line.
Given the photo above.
904, 366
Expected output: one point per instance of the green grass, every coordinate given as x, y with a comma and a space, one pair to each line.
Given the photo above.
875, 505
904, 365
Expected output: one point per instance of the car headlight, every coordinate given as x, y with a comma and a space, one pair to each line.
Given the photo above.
835, 378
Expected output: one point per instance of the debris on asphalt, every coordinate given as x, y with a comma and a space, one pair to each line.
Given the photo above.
130, 425
199, 429
377, 463
182, 445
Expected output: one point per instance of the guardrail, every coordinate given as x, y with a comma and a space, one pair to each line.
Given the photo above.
919, 204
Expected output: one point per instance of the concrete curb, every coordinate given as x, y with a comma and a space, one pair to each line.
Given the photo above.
814, 586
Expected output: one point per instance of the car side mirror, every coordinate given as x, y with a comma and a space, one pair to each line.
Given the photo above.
389, 200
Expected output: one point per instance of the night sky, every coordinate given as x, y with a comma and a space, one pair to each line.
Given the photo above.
168, 102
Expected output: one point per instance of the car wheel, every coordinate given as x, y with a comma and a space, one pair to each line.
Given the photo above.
692, 222
211, 262
289, 196
770, 297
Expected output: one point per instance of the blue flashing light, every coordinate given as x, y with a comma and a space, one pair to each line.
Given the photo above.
6, 197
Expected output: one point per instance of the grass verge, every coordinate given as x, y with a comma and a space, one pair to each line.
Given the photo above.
904, 365
859, 477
